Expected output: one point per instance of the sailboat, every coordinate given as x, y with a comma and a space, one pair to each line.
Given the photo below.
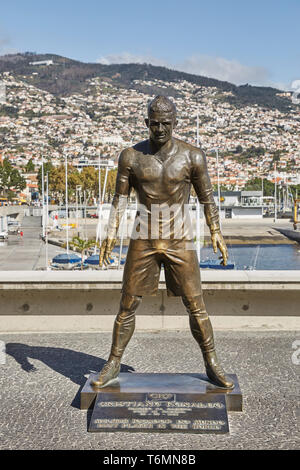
215, 264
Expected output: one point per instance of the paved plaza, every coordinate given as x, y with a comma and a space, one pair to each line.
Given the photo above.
42, 375
27, 253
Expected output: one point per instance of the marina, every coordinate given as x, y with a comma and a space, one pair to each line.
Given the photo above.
252, 245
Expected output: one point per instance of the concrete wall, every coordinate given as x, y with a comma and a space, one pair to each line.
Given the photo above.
3, 223
247, 212
88, 301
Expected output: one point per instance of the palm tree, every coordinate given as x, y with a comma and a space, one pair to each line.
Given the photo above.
81, 245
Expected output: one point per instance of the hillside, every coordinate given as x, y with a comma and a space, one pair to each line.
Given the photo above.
66, 77
55, 112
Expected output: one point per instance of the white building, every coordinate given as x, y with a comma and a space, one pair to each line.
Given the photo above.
42, 62
240, 204
112, 139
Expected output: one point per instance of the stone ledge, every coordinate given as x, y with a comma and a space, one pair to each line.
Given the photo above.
110, 280
104, 323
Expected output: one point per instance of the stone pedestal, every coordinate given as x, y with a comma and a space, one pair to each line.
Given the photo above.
161, 403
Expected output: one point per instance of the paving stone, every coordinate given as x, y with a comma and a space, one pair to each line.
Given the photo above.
41, 380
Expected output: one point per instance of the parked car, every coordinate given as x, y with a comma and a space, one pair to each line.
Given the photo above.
3, 235
13, 227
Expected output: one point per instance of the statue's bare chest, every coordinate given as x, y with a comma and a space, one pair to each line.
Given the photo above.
153, 169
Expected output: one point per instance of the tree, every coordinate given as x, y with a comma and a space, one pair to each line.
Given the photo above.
81, 245
57, 181
276, 156
256, 184
295, 190
10, 111
89, 178
29, 167
10, 178
253, 152
73, 181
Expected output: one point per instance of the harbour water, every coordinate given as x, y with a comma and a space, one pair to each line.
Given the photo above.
29, 252
255, 257
260, 257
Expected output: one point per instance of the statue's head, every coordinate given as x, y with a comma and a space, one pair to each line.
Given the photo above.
161, 119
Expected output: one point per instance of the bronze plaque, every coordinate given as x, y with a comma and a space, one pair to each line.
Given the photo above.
160, 412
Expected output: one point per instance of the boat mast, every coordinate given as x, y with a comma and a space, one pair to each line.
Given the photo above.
67, 208
218, 181
98, 231
100, 204
197, 201
47, 212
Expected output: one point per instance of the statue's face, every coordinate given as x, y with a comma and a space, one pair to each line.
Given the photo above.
160, 127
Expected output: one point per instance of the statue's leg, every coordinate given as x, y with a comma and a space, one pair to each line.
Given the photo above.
123, 329
202, 331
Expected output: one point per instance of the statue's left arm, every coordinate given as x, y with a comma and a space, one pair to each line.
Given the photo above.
202, 185
118, 206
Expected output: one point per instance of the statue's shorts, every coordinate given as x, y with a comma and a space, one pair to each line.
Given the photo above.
145, 259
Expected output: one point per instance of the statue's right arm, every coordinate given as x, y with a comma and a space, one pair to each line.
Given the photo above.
118, 206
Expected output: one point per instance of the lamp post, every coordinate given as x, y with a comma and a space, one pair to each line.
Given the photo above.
77, 189
275, 194
43, 199
99, 181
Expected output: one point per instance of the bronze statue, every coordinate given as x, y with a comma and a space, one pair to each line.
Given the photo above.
162, 170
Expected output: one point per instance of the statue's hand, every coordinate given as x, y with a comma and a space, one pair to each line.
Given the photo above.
218, 242
105, 250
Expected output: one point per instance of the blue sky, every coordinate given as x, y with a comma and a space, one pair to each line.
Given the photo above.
239, 41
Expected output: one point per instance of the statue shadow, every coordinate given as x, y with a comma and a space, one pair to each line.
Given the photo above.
74, 365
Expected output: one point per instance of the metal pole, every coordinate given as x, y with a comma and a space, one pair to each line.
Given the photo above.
197, 202
43, 199
101, 205
98, 232
80, 204
104, 186
197, 141
85, 229
218, 180
76, 194
198, 207
47, 212
198, 228
122, 236
67, 208
99, 183
275, 195
262, 194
